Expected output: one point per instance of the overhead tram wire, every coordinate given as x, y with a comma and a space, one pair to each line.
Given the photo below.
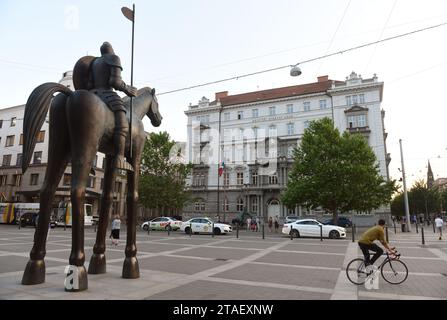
305, 61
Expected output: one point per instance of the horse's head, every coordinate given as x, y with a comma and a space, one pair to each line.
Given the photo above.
154, 113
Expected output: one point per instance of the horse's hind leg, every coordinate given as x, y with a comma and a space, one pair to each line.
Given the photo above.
98, 260
58, 155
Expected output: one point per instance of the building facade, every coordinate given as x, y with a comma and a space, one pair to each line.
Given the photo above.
251, 137
18, 187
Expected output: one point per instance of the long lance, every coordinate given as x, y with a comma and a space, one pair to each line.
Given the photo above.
130, 14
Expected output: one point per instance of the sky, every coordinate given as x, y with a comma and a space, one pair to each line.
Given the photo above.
184, 43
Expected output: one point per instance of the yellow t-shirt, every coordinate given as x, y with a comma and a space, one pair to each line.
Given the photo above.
372, 234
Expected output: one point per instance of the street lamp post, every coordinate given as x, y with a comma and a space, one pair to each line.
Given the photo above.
407, 212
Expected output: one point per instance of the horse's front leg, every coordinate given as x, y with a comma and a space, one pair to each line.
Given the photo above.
131, 269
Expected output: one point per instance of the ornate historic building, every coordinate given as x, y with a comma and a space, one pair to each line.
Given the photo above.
251, 137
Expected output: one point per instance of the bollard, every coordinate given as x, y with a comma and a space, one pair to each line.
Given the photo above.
422, 233
417, 231
148, 228
190, 230
291, 233
212, 232
321, 232
434, 230
394, 223
20, 220
352, 231
386, 234
237, 230
263, 231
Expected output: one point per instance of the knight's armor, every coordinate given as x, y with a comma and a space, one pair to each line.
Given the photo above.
101, 75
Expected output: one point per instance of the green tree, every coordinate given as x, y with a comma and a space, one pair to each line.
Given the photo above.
336, 172
162, 181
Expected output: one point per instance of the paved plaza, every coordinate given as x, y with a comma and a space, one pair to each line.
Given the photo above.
178, 266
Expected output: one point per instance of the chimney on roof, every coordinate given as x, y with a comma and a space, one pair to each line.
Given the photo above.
222, 94
323, 78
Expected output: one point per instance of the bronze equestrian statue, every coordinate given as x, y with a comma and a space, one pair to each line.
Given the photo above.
82, 122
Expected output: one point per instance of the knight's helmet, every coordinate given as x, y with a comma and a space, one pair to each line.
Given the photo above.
107, 48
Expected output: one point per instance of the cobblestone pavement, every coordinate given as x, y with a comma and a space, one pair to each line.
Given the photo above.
177, 266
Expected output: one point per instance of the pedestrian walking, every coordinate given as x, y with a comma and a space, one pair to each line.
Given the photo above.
116, 226
276, 224
439, 224
248, 223
258, 221
270, 224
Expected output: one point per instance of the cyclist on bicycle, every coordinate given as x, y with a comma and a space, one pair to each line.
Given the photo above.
366, 243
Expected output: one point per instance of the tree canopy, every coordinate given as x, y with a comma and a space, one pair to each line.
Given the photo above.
336, 172
162, 181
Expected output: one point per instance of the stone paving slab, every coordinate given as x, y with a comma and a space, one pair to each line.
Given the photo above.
283, 275
217, 253
182, 265
239, 243
13, 263
210, 290
309, 259
316, 247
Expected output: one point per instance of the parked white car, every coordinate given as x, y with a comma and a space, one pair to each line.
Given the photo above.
311, 228
162, 223
205, 225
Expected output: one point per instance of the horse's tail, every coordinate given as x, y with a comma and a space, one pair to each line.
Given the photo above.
36, 110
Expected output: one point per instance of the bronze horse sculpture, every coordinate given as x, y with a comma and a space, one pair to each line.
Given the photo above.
80, 125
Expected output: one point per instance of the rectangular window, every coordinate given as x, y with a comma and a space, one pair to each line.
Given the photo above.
306, 106
240, 178
21, 139
240, 205
273, 179
240, 115
254, 204
362, 98
361, 120
348, 101
255, 113
272, 111
225, 205
254, 178
354, 99
290, 108
67, 179
9, 141
102, 184
19, 160
13, 121
34, 179
95, 162
272, 131
226, 116
3, 180
17, 180
37, 157
323, 104
41, 136
1, 124
6, 160
290, 129
226, 179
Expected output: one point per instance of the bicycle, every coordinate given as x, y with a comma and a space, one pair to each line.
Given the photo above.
392, 269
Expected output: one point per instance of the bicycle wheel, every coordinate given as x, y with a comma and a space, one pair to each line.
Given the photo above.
394, 271
356, 271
